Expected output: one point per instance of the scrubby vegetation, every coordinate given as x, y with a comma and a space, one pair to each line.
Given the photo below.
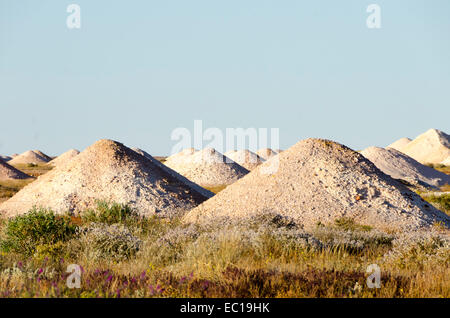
124, 255
440, 201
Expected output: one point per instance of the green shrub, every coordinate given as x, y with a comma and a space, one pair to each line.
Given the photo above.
24, 233
110, 213
441, 202
350, 225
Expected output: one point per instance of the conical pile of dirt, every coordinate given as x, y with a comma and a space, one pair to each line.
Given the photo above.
64, 158
432, 146
40, 153
29, 156
249, 160
266, 153
173, 173
399, 144
400, 166
180, 156
321, 181
208, 168
446, 162
109, 171
8, 172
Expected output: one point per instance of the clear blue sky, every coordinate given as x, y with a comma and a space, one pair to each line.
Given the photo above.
138, 69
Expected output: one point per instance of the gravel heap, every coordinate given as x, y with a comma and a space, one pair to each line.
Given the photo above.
8, 172
399, 144
180, 156
249, 160
321, 181
109, 171
173, 173
208, 168
30, 156
40, 153
64, 158
432, 146
266, 153
400, 166
446, 161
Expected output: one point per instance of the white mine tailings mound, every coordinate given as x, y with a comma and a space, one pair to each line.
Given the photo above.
208, 168
399, 144
40, 153
109, 171
446, 162
173, 173
29, 156
180, 156
266, 153
400, 166
8, 172
64, 158
321, 181
249, 160
432, 146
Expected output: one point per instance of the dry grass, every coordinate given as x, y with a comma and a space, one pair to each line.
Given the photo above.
216, 189
34, 170
264, 257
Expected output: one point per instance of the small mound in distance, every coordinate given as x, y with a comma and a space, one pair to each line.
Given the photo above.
64, 158
249, 160
208, 168
106, 171
400, 144
432, 146
29, 157
317, 182
400, 166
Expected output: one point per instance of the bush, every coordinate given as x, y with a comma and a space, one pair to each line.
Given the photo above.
37, 227
109, 241
110, 213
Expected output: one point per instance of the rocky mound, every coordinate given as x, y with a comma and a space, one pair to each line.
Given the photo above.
399, 144
64, 158
8, 172
176, 175
208, 168
321, 181
446, 162
29, 156
180, 156
400, 166
109, 171
266, 153
432, 146
249, 160
40, 153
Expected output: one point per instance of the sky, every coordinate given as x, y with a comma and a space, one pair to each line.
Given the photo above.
136, 70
